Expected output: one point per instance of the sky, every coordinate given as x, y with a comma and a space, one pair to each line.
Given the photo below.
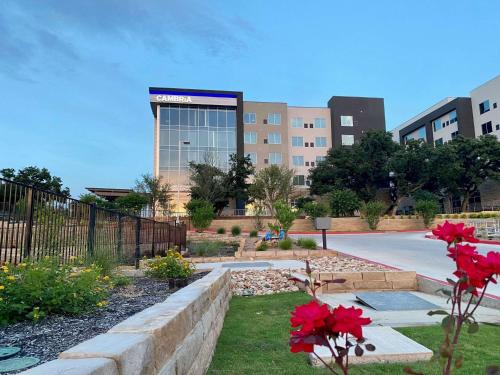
74, 75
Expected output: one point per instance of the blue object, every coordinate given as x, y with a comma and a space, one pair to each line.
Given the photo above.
282, 234
268, 236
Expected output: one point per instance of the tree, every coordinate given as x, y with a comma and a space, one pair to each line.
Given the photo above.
241, 168
414, 167
285, 216
157, 192
427, 208
209, 183
201, 213
344, 202
476, 160
90, 198
132, 203
316, 209
362, 168
272, 184
372, 211
39, 178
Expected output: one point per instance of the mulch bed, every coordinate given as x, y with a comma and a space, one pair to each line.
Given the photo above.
53, 335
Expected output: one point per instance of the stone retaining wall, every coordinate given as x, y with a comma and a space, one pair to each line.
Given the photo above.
176, 337
369, 280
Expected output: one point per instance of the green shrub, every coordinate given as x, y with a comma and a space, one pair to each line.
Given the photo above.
235, 230
285, 244
262, 247
463, 216
105, 261
307, 243
254, 233
205, 248
171, 266
201, 213
285, 215
344, 203
428, 210
33, 290
316, 209
221, 231
372, 211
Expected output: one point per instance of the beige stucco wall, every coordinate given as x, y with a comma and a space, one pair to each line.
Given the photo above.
487, 91
261, 109
308, 114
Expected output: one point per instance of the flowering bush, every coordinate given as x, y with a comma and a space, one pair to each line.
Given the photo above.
33, 290
339, 329
171, 266
474, 272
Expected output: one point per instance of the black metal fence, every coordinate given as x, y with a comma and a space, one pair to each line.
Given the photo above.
36, 223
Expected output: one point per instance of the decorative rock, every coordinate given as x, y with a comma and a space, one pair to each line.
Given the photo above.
261, 282
343, 264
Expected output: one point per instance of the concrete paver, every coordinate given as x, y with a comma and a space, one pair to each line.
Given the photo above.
259, 265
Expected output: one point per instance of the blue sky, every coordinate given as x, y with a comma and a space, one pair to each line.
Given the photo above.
74, 74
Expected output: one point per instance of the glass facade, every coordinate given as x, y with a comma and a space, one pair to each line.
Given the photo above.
196, 133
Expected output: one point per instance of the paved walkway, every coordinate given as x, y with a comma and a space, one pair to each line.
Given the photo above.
408, 251
254, 265
408, 317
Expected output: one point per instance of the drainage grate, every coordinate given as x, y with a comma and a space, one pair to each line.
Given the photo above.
394, 301
246, 265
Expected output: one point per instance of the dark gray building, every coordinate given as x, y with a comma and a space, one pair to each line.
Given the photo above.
351, 117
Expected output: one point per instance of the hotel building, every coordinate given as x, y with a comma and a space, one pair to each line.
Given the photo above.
210, 125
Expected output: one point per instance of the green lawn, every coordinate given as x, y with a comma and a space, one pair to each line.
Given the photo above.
254, 341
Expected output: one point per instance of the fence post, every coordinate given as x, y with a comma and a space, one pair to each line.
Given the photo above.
120, 237
28, 235
137, 242
153, 247
91, 230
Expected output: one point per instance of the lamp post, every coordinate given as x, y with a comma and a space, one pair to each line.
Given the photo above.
179, 175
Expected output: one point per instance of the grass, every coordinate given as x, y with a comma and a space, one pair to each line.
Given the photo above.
254, 341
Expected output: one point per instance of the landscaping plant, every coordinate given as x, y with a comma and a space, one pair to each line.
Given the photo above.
254, 233
307, 243
35, 289
201, 213
235, 230
284, 214
221, 230
372, 212
316, 209
339, 329
171, 266
344, 202
262, 247
473, 274
427, 208
285, 244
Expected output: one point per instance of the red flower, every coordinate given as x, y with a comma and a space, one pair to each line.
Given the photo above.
349, 321
310, 316
474, 269
450, 232
462, 251
493, 259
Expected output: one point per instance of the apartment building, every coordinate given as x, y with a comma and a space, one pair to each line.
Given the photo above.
210, 125
485, 101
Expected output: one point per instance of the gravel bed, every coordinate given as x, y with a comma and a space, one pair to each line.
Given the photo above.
261, 282
51, 336
343, 264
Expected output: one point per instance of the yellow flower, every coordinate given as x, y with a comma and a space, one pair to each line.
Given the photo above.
105, 278
1, 299
2, 287
22, 264
11, 278
73, 274
86, 270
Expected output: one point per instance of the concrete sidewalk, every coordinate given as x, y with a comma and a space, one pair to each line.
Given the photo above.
257, 265
408, 317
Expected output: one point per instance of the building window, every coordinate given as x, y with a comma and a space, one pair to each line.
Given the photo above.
250, 138
437, 124
319, 123
347, 139
274, 138
320, 158
346, 121
454, 135
438, 141
299, 180
298, 161
497, 127
487, 127
320, 141
484, 107
253, 157
274, 118
453, 117
297, 141
495, 105
249, 118
275, 158
297, 122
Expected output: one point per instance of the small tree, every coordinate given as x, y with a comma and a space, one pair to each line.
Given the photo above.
157, 192
132, 203
209, 183
285, 215
344, 202
90, 198
272, 184
316, 209
428, 209
201, 213
372, 212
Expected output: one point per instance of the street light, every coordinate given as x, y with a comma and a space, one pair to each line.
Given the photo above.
179, 177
